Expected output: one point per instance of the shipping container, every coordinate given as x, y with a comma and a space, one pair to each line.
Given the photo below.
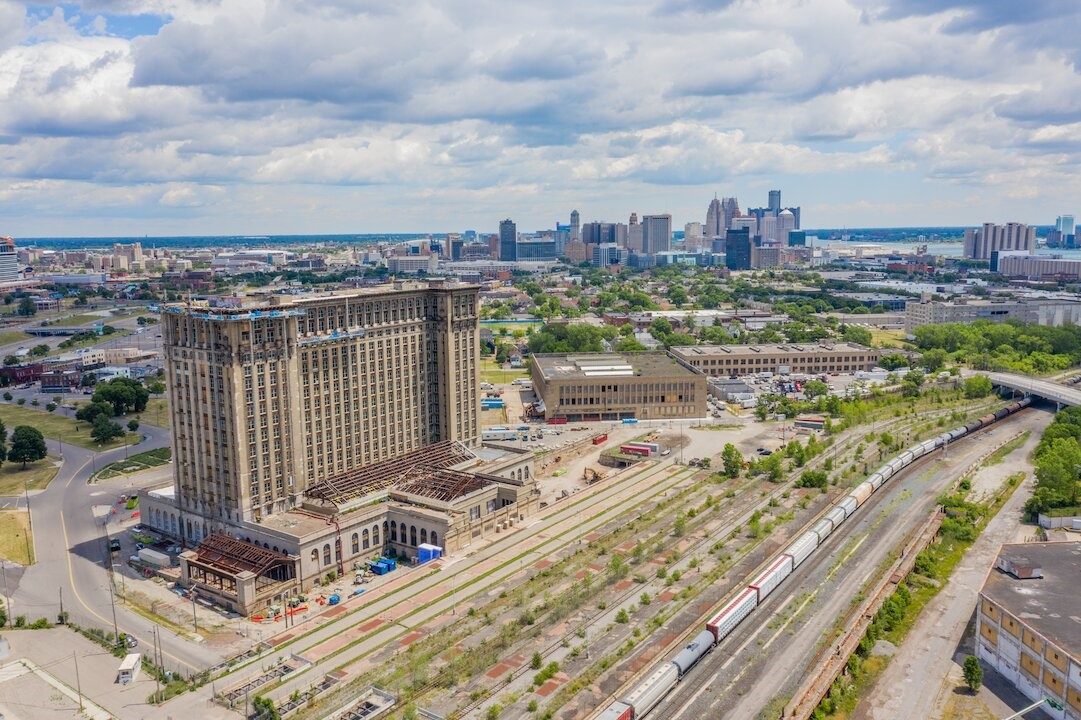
769, 579
630, 421
848, 503
426, 553
653, 689
557, 421
617, 711
732, 614
802, 548
498, 435
600, 439
653, 447
693, 652
837, 516
155, 558
863, 491
634, 450
822, 529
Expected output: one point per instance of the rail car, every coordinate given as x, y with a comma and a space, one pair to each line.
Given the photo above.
647, 694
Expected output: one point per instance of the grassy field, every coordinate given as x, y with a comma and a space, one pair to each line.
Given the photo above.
156, 413
76, 320
36, 476
13, 336
56, 426
491, 372
135, 463
14, 531
495, 326
887, 338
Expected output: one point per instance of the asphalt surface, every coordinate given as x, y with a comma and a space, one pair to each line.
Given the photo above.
768, 655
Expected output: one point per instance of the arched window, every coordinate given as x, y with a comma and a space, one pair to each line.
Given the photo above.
393, 531
326, 554
275, 548
356, 542
367, 538
315, 557
423, 535
375, 533
434, 538
413, 535
527, 471
338, 549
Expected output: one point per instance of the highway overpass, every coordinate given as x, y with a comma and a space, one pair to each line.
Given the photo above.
1048, 390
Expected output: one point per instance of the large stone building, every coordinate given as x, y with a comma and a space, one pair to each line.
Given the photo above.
1042, 312
1027, 627
980, 243
610, 386
285, 407
801, 358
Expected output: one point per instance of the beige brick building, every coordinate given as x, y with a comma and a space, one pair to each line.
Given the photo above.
805, 358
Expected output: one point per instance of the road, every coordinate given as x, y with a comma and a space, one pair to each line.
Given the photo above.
71, 552
751, 668
1048, 389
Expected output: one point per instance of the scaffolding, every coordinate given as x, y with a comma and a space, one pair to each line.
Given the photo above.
222, 553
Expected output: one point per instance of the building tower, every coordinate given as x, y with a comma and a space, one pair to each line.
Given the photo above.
656, 234
508, 241
714, 219
774, 202
575, 225
730, 209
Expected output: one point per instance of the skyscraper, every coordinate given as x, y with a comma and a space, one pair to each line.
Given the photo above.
775, 201
730, 210
1065, 224
575, 225
656, 234
714, 219
508, 241
979, 244
738, 249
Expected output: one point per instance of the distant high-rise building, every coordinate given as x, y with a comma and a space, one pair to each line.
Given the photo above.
656, 234
979, 244
595, 233
730, 210
454, 246
606, 254
9, 261
508, 241
692, 231
775, 201
738, 249
797, 238
1065, 224
714, 219
634, 234
576, 225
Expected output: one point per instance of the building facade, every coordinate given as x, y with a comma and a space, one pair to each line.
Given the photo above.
979, 244
810, 359
267, 398
1024, 624
1053, 313
508, 241
656, 234
609, 386
1035, 267
737, 249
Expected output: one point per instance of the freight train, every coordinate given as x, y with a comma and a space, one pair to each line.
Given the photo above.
646, 695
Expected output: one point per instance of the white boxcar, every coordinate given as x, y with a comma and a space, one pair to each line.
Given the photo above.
693, 651
896, 464
802, 548
617, 711
877, 480
906, 457
771, 577
864, 490
732, 614
822, 529
837, 516
653, 689
849, 503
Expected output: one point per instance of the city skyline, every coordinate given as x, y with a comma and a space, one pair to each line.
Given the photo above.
173, 117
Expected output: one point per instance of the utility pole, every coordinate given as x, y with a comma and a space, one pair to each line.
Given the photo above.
61, 589
7, 595
30, 519
194, 617
159, 669
78, 683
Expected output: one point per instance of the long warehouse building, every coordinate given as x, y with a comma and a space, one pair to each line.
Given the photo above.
805, 358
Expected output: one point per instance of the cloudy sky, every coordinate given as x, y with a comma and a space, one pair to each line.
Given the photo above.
157, 117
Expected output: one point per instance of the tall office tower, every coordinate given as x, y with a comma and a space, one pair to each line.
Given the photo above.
576, 226
786, 223
656, 234
508, 241
270, 397
594, 233
454, 246
1065, 224
767, 229
634, 234
775, 201
715, 224
747, 222
730, 209
979, 244
693, 231
9, 261
738, 249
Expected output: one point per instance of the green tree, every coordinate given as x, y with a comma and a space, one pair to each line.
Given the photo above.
264, 708
10, 360
27, 307
911, 383
934, 360
133, 425
123, 394
660, 328
90, 412
27, 445
732, 459
977, 386
815, 388
39, 350
973, 673
103, 430
893, 362
858, 335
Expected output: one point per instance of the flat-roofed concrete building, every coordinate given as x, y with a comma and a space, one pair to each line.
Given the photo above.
1053, 313
805, 358
1036, 267
613, 386
1026, 623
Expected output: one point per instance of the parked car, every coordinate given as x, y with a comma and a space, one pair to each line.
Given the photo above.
114, 545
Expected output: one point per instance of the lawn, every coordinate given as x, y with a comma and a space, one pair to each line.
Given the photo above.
76, 320
156, 413
96, 340
887, 338
135, 463
36, 476
491, 372
9, 337
55, 426
14, 532
495, 326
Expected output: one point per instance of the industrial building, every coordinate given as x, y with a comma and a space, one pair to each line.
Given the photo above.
611, 386
1035, 267
1042, 312
1026, 627
807, 358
